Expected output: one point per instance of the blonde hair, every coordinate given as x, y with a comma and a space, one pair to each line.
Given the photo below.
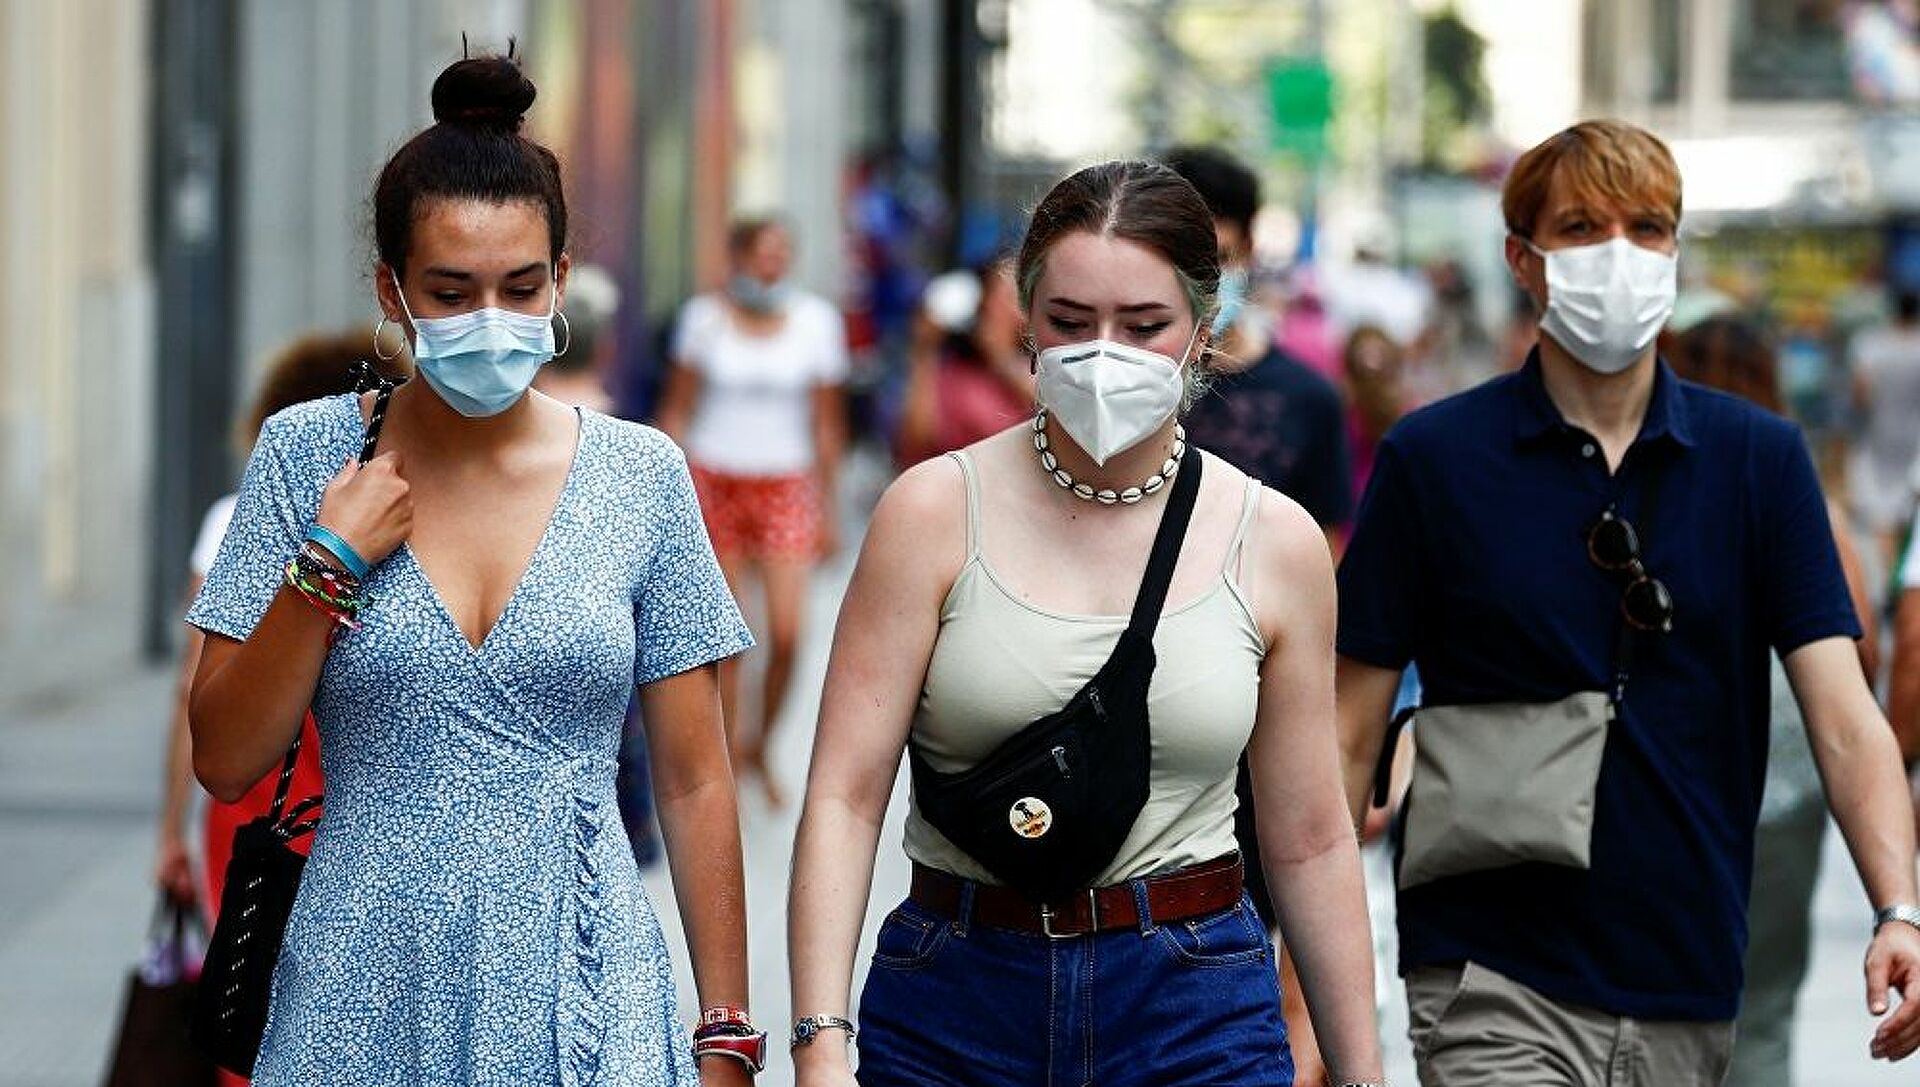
1609, 163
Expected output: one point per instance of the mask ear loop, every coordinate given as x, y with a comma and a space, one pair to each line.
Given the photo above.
404, 308
566, 327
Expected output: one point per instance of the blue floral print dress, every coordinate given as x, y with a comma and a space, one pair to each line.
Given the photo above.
471, 913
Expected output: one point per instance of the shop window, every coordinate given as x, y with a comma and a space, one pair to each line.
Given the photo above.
1788, 50
1609, 76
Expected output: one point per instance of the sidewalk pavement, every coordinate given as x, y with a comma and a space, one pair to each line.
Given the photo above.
79, 786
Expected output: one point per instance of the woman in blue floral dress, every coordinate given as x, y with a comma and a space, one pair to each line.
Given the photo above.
510, 569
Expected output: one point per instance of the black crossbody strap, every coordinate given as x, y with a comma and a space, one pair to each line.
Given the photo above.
1166, 547
376, 420
1645, 518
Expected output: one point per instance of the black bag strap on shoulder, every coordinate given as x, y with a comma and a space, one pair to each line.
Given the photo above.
1165, 555
366, 377
1655, 477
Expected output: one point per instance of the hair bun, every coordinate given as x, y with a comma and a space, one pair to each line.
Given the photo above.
485, 92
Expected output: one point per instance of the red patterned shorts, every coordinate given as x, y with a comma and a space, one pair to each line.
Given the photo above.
760, 517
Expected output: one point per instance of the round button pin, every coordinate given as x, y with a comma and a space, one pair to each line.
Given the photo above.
1030, 817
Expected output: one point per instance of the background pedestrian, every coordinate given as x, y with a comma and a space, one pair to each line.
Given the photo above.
756, 396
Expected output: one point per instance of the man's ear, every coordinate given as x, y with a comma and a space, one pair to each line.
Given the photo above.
1517, 253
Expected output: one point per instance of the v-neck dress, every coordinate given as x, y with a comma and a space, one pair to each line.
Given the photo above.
471, 913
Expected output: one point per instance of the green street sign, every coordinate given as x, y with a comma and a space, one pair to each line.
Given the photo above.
1300, 92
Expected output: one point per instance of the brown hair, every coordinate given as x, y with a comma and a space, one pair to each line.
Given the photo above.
744, 233
1377, 394
317, 365
474, 152
1603, 162
1142, 202
1731, 355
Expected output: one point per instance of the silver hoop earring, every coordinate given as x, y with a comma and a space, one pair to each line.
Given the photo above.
377, 329
567, 328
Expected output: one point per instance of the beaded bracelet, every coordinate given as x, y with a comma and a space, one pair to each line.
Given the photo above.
317, 565
331, 599
339, 589
339, 549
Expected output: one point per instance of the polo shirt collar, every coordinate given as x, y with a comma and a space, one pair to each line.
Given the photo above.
1669, 414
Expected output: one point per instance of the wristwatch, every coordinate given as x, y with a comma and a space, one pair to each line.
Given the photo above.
1902, 912
807, 1028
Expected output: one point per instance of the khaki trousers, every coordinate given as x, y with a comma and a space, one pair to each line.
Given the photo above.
1471, 1027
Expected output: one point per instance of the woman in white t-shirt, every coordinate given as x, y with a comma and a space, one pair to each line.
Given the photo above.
755, 397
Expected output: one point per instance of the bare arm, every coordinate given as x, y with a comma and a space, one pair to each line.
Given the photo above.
829, 445
1869, 644
1903, 695
699, 819
1363, 699
881, 646
1306, 837
681, 392
249, 697
1860, 768
175, 866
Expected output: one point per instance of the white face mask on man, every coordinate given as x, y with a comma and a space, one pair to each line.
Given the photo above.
1110, 396
1606, 302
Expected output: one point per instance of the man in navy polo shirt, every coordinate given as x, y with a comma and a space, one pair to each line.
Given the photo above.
1593, 524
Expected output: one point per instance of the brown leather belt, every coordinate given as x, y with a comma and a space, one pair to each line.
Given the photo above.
1190, 892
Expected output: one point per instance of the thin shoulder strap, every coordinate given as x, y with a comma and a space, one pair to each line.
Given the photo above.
968, 471
1237, 549
1166, 548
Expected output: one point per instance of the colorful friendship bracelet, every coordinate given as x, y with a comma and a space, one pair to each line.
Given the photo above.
339, 549
343, 609
338, 589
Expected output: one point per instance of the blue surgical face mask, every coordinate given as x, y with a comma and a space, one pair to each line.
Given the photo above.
1233, 298
481, 362
756, 296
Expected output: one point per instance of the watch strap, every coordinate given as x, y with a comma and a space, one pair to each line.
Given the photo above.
748, 1049
1898, 912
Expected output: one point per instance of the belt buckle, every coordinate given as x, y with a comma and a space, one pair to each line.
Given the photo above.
1093, 919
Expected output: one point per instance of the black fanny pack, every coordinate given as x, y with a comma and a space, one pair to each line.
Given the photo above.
1051, 806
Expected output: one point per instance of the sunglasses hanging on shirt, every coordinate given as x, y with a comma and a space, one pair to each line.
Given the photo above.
1614, 546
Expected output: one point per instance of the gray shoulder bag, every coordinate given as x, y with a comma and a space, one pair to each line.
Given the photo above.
1509, 783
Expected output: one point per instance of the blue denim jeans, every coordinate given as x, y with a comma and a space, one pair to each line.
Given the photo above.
1172, 1004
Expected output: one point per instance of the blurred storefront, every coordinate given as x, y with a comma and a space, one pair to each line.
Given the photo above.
77, 303
1794, 124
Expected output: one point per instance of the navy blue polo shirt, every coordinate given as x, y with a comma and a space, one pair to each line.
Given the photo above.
1284, 425
1468, 558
